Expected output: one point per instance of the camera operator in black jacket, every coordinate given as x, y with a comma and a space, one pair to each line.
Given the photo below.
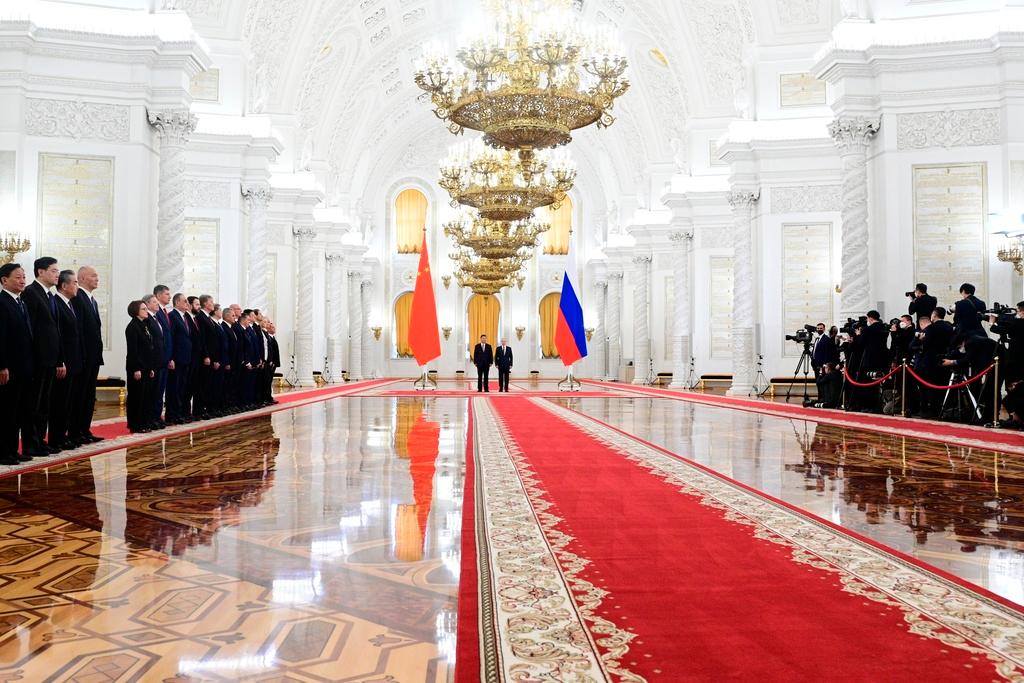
934, 339
901, 332
967, 313
921, 302
970, 355
1013, 330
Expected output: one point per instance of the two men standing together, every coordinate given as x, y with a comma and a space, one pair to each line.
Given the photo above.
484, 356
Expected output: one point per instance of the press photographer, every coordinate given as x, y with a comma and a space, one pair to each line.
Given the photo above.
921, 302
934, 340
901, 331
1008, 323
969, 312
969, 356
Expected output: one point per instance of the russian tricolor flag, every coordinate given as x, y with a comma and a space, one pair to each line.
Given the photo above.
570, 335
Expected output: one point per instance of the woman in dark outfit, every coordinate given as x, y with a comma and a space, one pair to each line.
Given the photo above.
139, 365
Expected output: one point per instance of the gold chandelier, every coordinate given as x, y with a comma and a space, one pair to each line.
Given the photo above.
502, 186
495, 270
528, 79
495, 240
479, 285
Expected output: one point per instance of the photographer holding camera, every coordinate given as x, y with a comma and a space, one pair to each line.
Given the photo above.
971, 354
967, 314
874, 360
921, 302
934, 338
901, 330
1011, 328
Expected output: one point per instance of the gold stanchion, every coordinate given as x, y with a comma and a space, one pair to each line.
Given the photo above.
995, 393
903, 392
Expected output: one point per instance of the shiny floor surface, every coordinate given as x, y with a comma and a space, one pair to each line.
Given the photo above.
322, 543
319, 544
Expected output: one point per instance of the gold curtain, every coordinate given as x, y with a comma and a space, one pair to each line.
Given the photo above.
548, 321
556, 240
483, 312
403, 312
411, 219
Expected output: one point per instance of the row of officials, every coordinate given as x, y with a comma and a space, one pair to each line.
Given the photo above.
187, 359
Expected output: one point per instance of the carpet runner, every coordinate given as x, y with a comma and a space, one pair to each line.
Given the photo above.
591, 555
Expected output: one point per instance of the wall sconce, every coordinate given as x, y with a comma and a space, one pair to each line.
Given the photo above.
519, 333
590, 333
447, 331
447, 280
376, 331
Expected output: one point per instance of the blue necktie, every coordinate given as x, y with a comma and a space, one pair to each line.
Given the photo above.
53, 304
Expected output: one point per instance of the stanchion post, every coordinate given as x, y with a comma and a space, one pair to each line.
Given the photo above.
903, 392
995, 393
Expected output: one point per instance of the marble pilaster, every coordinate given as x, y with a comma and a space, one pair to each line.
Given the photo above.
614, 325
744, 355
641, 319
355, 325
683, 239
335, 311
173, 127
257, 197
304, 237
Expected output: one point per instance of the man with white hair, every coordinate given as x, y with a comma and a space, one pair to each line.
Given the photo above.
83, 403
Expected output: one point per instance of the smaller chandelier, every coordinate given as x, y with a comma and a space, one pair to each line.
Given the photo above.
481, 286
495, 239
498, 270
503, 186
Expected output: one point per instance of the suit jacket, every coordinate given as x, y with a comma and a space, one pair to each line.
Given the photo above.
979, 353
44, 326
483, 356
825, 351
274, 351
937, 338
92, 329
965, 316
15, 338
223, 350
70, 337
247, 344
233, 347
902, 338
876, 348
164, 320
922, 306
255, 334
181, 338
503, 359
156, 332
211, 338
199, 351
139, 356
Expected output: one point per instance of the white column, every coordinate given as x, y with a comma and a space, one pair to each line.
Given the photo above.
257, 283
641, 319
853, 136
683, 239
614, 324
743, 353
173, 128
355, 325
369, 357
336, 314
304, 305
600, 345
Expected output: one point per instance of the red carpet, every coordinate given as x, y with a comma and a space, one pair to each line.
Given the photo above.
696, 589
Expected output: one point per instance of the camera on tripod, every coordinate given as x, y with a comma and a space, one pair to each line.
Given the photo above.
804, 335
853, 323
1004, 314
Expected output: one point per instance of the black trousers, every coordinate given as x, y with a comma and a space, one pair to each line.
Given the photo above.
202, 393
503, 374
177, 386
159, 394
138, 404
248, 386
59, 418
39, 407
267, 384
483, 374
15, 414
83, 402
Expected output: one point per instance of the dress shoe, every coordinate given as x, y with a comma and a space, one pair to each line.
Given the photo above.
23, 458
8, 459
93, 438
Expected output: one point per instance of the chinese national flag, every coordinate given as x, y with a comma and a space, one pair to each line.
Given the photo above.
424, 339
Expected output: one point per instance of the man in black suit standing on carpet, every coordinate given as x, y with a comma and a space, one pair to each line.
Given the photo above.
503, 360
483, 359
273, 361
71, 352
16, 365
83, 402
178, 406
41, 303
208, 385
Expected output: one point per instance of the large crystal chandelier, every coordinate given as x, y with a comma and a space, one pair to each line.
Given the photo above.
528, 79
502, 186
495, 239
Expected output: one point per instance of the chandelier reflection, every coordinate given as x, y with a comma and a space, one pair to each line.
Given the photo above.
495, 239
527, 78
502, 186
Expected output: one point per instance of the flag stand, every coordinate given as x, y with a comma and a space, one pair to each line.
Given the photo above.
570, 383
425, 382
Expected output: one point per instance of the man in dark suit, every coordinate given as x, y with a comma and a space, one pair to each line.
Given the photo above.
231, 368
936, 338
200, 361
70, 331
483, 359
273, 361
83, 403
41, 303
157, 305
968, 312
825, 349
209, 383
503, 361
902, 334
875, 358
163, 347
922, 304
178, 377
16, 364
249, 360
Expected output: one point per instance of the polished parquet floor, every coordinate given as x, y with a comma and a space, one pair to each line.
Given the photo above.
322, 543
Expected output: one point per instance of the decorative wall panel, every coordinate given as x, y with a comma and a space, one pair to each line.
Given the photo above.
77, 120
721, 295
806, 279
205, 86
76, 220
801, 90
945, 129
950, 205
202, 241
208, 194
806, 199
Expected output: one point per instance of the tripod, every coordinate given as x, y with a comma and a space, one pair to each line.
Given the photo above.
803, 366
761, 383
955, 379
691, 376
651, 378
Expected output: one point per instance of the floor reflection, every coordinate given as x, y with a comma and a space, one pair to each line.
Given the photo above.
320, 541
960, 509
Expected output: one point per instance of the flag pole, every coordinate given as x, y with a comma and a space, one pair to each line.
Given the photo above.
425, 382
570, 383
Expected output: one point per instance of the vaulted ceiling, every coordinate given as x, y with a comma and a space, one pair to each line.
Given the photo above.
343, 69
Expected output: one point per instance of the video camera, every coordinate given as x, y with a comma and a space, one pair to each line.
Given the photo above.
1004, 314
804, 335
909, 295
852, 323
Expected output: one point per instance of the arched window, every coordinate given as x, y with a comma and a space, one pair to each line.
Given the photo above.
548, 321
484, 311
410, 220
403, 311
556, 239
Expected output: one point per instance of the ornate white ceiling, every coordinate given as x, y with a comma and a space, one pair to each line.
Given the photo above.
343, 68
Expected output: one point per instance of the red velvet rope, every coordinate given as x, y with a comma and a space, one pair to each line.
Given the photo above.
950, 386
874, 383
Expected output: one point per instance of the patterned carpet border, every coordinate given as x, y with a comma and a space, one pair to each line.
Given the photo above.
129, 440
967, 616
